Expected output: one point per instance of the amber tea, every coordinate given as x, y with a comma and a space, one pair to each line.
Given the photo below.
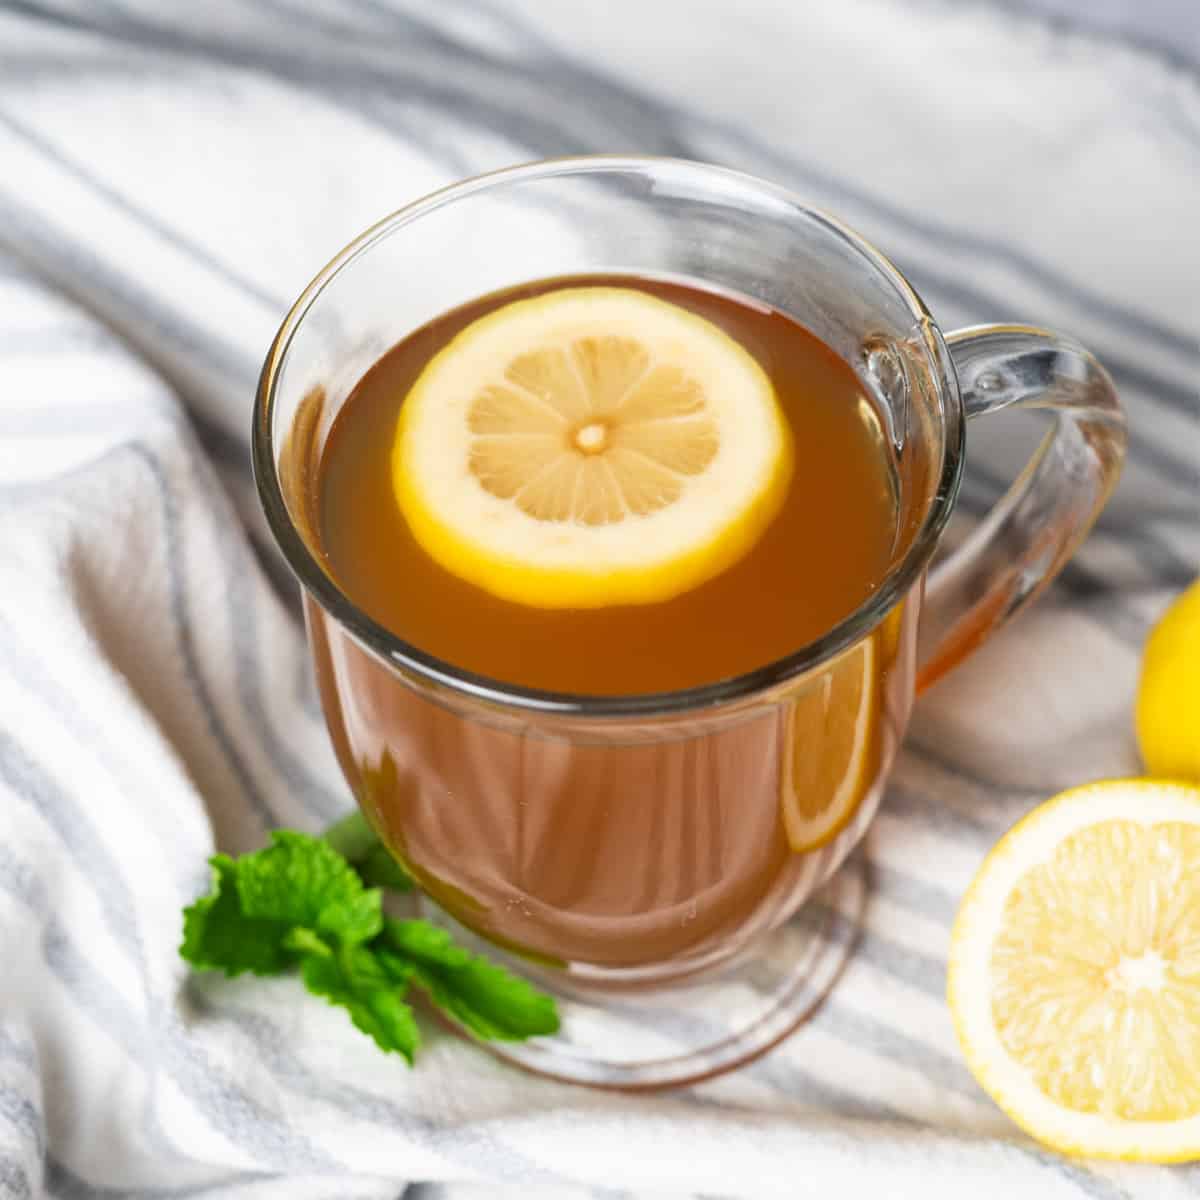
820, 556
691, 842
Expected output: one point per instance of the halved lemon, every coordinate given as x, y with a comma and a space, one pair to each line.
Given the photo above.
588, 447
829, 748
1074, 977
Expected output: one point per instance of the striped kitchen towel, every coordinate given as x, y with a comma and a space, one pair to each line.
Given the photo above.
170, 177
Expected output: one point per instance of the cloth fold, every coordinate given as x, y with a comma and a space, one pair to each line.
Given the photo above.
169, 178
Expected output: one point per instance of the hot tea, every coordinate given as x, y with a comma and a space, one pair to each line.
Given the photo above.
690, 840
825, 549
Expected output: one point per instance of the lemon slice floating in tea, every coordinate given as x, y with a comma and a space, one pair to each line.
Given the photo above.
1074, 976
829, 751
589, 447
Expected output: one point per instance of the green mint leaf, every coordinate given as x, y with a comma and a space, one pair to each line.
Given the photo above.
355, 920
300, 901
483, 997
379, 869
424, 942
303, 941
218, 936
301, 880
398, 970
354, 980
354, 839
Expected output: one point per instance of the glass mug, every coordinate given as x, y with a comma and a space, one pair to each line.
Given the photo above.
632, 854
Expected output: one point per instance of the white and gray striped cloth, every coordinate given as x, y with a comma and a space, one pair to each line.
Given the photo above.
170, 177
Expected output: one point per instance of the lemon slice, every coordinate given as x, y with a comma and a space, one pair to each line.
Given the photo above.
1075, 972
588, 447
829, 749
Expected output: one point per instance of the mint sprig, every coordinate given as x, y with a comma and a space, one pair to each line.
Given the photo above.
485, 998
307, 903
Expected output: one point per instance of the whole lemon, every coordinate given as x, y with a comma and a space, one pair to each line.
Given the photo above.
1168, 702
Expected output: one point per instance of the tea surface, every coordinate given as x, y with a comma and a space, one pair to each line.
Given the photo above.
822, 555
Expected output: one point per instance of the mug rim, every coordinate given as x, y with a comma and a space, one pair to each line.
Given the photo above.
400, 654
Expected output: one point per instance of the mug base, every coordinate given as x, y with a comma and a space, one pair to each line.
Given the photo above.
671, 1036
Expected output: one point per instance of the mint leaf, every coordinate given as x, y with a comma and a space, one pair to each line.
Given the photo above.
300, 902
425, 942
354, 980
354, 839
304, 941
354, 920
397, 969
218, 936
484, 997
301, 880
377, 868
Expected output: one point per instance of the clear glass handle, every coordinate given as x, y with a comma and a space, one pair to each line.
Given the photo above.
1039, 523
